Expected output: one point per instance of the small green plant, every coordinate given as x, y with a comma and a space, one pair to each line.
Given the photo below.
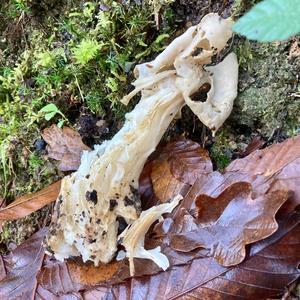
270, 20
50, 111
34, 162
94, 102
4, 163
219, 152
45, 59
86, 51
17, 8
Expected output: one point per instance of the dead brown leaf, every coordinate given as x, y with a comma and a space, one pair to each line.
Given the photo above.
255, 144
269, 161
165, 185
148, 197
22, 267
173, 171
64, 145
231, 221
27, 204
273, 168
2, 269
269, 264
187, 160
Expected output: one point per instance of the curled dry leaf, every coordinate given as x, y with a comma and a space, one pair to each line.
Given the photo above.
30, 203
2, 269
64, 145
148, 197
255, 144
165, 185
231, 221
269, 161
22, 267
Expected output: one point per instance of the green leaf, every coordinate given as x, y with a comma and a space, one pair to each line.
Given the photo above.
60, 123
50, 115
270, 20
49, 108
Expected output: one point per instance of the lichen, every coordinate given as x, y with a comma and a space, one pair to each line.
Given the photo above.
267, 98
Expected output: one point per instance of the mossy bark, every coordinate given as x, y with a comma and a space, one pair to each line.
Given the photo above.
268, 98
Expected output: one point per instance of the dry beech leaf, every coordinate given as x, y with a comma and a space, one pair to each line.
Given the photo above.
2, 269
91, 275
172, 171
64, 145
275, 167
187, 160
255, 144
165, 185
22, 267
231, 221
268, 161
30, 203
148, 197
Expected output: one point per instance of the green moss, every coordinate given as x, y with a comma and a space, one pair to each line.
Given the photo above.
19, 230
268, 83
81, 56
239, 7
86, 51
220, 151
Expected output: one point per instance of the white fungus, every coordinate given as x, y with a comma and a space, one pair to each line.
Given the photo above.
102, 194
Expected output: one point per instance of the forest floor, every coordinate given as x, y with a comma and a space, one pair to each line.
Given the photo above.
79, 56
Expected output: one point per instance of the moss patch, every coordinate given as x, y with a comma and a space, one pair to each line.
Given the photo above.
268, 86
15, 232
77, 56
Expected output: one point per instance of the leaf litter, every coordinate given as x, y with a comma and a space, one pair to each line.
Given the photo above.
64, 145
269, 178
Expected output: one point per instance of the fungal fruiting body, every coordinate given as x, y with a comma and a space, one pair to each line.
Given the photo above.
101, 195
133, 236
